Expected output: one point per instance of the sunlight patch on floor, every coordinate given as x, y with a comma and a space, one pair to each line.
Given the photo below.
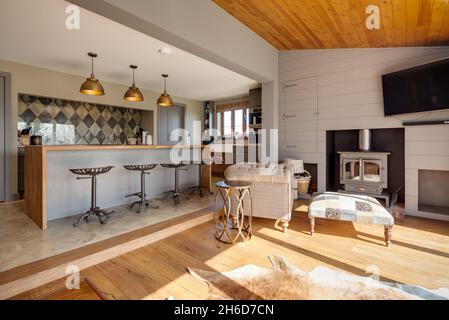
302, 208
185, 287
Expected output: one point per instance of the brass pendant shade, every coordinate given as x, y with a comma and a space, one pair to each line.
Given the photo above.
92, 86
133, 93
165, 100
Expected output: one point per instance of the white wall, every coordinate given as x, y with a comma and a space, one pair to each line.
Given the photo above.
341, 89
425, 148
206, 30
197, 26
44, 82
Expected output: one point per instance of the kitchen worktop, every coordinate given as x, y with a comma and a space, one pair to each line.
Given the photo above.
108, 147
82, 147
53, 192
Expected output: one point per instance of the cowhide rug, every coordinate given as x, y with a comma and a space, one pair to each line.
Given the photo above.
287, 282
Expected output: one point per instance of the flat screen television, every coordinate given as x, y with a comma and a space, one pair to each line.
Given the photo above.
418, 89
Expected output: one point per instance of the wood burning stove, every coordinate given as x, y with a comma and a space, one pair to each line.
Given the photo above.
365, 172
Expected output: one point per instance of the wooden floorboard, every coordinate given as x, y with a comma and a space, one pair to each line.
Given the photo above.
86, 291
20, 279
44, 264
418, 255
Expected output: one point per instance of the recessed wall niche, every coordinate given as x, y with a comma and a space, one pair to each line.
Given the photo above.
433, 191
382, 140
74, 122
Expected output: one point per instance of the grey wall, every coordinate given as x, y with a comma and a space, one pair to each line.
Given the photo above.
197, 26
2, 138
147, 122
7, 133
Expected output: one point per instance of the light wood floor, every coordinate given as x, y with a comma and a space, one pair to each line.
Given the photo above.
418, 255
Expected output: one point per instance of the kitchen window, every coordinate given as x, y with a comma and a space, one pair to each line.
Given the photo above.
227, 123
233, 122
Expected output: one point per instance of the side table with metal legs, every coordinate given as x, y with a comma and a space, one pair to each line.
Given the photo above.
231, 224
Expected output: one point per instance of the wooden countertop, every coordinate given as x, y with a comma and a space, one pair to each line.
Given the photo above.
36, 172
80, 147
106, 147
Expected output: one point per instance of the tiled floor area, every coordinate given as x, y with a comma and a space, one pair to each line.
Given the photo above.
23, 242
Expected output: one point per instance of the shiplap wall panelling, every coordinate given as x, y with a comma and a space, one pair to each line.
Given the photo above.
353, 64
349, 96
427, 147
299, 133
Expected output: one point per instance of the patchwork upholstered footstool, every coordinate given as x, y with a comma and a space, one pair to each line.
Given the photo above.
347, 207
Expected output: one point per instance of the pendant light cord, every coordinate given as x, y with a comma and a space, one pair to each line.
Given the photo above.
134, 84
92, 75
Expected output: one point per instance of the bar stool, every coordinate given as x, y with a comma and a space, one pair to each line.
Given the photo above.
144, 170
177, 166
199, 187
92, 173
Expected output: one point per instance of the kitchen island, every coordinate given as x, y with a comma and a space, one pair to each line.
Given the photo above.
53, 192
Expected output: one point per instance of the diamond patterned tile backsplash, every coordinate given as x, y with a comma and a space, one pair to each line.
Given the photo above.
73, 122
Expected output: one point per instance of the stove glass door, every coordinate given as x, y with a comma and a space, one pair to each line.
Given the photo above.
372, 170
351, 169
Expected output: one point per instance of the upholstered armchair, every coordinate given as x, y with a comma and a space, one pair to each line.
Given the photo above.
271, 190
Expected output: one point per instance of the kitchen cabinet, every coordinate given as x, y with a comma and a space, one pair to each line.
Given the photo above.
21, 170
239, 154
255, 98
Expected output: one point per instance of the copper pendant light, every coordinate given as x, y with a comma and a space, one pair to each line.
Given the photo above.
133, 93
92, 86
165, 100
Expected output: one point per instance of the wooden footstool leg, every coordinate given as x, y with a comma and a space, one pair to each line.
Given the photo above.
284, 226
312, 225
388, 233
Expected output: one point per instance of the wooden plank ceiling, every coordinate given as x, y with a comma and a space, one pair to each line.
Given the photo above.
320, 24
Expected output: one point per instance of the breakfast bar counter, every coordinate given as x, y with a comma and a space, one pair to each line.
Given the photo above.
53, 192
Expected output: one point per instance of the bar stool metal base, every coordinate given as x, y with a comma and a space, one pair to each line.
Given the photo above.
175, 194
91, 173
199, 187
101, 214
146, 203
143, 202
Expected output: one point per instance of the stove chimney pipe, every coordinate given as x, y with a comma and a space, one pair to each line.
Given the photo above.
365, 140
